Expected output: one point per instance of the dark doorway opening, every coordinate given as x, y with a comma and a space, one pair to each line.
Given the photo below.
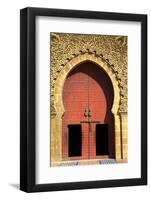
102, 139
75, 140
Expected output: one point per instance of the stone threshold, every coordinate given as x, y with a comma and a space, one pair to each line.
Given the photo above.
87, 162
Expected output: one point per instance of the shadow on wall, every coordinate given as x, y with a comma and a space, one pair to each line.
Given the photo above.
15, 185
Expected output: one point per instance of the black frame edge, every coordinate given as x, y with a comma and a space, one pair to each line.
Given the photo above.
23, 100
27, 101
144, 99
87, 14
87, 185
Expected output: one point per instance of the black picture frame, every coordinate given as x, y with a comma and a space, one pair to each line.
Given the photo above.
28, 98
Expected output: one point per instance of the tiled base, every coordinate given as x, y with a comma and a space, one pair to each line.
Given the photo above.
88, 162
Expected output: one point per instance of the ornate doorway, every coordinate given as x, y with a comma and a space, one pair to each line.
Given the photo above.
109, 58
88, 123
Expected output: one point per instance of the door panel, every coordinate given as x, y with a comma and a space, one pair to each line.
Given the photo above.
86, 87
75, 140
75, 99
101, 139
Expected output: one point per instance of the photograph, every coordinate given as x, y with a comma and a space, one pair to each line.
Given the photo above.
88, 95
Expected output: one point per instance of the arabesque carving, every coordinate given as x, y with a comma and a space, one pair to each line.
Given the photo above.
111, 49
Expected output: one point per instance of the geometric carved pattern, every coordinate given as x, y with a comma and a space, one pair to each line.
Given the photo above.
110, 49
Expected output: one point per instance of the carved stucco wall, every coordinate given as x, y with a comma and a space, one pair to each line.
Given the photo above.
111, 51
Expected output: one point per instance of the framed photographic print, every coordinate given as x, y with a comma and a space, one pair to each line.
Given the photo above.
83, 99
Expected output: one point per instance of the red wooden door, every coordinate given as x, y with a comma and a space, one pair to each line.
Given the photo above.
85, 89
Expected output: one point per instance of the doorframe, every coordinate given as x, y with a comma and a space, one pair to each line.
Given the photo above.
57, 107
